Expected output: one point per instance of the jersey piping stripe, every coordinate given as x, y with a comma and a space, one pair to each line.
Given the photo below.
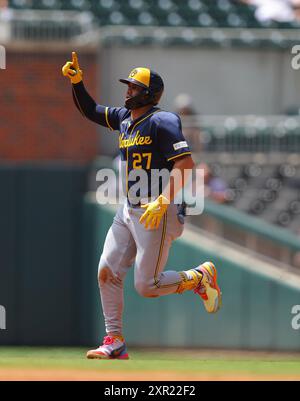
181, 154
170, 285
143, 119
137, 123
106, 119
162, 242
159, 258
127, 168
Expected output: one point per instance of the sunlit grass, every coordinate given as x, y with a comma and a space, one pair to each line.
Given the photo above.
169, 361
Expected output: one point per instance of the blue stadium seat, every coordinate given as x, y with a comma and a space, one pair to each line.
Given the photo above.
205, 20
234, 20
166, 5
146, 18
193, 13
47, 5
19, 4
139, 5
81, 5
117, 18
196, 6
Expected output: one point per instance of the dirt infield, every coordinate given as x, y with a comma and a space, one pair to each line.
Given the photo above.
75, 375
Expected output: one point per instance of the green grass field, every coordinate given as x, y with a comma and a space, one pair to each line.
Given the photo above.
55, 363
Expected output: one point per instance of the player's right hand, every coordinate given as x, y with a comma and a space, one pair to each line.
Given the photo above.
154, 212
72, 70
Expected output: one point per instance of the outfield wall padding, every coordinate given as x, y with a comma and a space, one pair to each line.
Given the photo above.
40, 252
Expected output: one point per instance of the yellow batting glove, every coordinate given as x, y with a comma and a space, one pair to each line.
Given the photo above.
154, 212
72, 70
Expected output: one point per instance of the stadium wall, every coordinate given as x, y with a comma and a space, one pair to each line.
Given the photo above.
221, 81
40, 253
39, 120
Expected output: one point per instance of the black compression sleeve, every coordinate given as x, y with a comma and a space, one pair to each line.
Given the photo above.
87, 106
76, 101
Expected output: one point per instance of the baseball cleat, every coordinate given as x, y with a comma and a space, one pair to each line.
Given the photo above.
208, 288
112, 348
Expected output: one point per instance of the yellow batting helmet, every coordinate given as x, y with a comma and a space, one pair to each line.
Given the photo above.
150, 81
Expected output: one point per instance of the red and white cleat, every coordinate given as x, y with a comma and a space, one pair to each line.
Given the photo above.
113, 347
208, 288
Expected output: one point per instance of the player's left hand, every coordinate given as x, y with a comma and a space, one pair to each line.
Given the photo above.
72, 70
154, 212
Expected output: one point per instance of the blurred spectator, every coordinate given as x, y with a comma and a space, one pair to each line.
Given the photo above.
5, 12
183, 106
215, 188
274, 10
296, 7
296, 259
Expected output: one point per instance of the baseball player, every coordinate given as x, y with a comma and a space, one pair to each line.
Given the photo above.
149, 138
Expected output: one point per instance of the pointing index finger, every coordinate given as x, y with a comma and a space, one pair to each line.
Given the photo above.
75, 60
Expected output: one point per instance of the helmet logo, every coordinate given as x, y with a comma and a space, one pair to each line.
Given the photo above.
133, 73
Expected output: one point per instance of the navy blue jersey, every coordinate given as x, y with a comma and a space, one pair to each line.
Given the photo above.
153, 141
157, 133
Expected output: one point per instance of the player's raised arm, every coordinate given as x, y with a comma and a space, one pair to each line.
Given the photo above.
83, 101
